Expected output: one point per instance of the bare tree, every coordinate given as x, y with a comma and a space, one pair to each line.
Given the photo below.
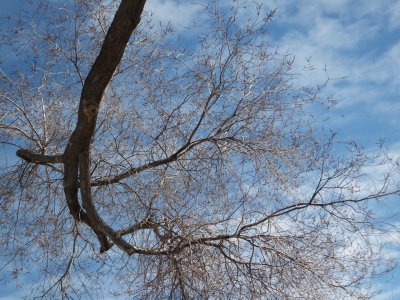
156, 170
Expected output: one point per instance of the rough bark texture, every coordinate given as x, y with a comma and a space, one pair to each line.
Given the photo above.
76, 174
125, 21
37, 158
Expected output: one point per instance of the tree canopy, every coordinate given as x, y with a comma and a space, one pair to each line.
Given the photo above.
160, 164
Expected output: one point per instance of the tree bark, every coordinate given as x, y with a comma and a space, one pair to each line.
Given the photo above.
125, 21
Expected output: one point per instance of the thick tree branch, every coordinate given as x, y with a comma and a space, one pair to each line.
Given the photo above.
147, 223
95, 221
40, 159
125, 21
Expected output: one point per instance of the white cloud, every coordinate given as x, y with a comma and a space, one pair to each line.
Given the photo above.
180, 14
394, 20
351, 39
388, 293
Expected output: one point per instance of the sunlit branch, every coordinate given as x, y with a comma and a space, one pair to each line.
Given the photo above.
174, 157
37, 158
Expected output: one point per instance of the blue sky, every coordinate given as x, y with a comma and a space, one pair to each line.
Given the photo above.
358, 44
353, 43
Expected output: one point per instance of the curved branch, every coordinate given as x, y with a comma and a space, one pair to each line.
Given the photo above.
302, 205
98, 225
174, 157
125, 21
147, 223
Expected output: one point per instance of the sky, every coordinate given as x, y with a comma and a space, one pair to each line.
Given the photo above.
353, 43
357, 43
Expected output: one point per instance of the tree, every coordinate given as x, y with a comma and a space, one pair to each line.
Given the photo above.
176, 172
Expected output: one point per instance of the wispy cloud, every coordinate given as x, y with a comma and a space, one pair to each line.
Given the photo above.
178, 13
355, 45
